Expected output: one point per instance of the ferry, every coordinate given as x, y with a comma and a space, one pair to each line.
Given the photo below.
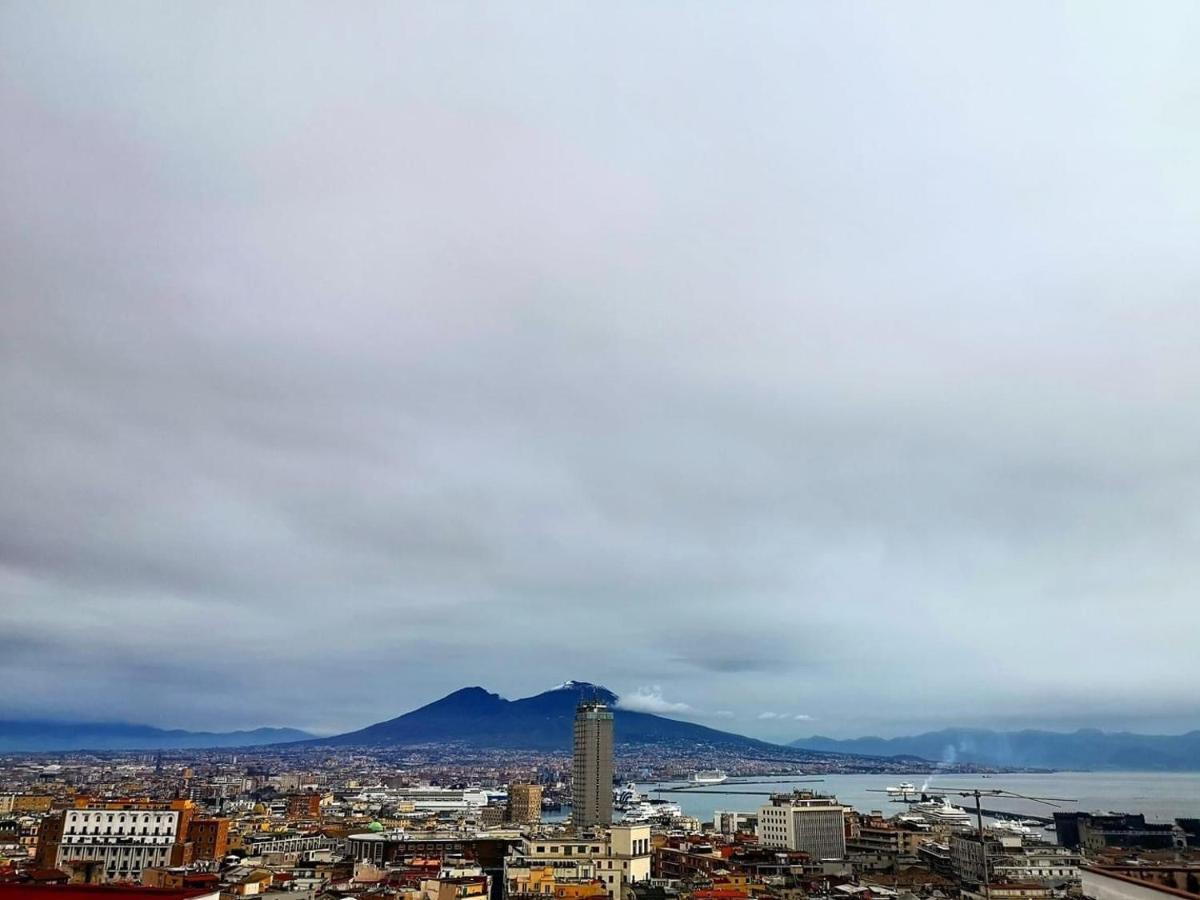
902, 792
709, 776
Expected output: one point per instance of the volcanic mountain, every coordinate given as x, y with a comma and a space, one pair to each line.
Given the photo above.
477, 718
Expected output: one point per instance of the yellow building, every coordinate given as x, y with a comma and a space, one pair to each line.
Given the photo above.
31, 803
545, 881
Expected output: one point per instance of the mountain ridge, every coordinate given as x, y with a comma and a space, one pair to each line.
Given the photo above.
1084, 748
50, 735
543, 721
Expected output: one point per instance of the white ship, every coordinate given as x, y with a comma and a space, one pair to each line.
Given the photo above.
942, 812
1005, 826
902, 792
651, 811
709, 776
625, 797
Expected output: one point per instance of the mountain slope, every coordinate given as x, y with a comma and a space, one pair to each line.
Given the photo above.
1083, 749
33, 735
543, 722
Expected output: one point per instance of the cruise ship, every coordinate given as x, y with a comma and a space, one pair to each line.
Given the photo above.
709, 776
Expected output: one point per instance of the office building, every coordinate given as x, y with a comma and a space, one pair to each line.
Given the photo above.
525, 803
806, 822
592, 799
117, 840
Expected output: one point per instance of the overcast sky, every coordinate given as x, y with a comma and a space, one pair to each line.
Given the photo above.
792, 367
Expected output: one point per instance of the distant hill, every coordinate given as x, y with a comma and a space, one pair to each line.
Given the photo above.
479, 718
1084, 749
31, 735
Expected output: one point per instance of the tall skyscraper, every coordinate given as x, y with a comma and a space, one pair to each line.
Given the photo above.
593, 769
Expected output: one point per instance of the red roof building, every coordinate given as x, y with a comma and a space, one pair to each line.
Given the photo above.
102, 892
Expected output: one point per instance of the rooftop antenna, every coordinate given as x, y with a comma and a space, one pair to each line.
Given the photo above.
977, 793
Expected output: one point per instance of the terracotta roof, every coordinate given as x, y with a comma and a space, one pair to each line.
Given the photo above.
97, 892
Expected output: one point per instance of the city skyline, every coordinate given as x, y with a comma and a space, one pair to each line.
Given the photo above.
820, 369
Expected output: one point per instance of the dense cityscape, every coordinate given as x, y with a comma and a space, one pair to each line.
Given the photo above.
580, 823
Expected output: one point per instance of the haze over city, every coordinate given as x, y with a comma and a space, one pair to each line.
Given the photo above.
792, 369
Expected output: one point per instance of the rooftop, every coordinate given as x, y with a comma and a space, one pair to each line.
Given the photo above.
97, 892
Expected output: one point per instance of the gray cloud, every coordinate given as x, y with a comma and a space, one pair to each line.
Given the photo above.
811, 358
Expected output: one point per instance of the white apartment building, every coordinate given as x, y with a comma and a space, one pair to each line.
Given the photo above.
617, 855
1052, 864
806, 822
122, 842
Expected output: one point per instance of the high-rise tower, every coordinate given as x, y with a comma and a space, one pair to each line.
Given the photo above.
593, 769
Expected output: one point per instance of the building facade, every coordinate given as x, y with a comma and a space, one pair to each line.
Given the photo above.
525, 804
615, 857
592, 772
116, 841
209, 838
804, 821
1094, 832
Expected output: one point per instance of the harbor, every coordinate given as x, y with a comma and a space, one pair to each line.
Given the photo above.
1160, 795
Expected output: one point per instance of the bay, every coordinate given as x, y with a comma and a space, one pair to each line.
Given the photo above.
1162, 797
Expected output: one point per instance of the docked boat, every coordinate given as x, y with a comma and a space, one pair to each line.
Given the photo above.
627, 797
651, 811
941, 811
1012, 827
902, 792
709, 776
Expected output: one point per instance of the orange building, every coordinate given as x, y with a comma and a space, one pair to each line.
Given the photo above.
31, 803
304, 806
209, 838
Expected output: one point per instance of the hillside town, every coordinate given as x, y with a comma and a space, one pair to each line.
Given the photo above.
417, 824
